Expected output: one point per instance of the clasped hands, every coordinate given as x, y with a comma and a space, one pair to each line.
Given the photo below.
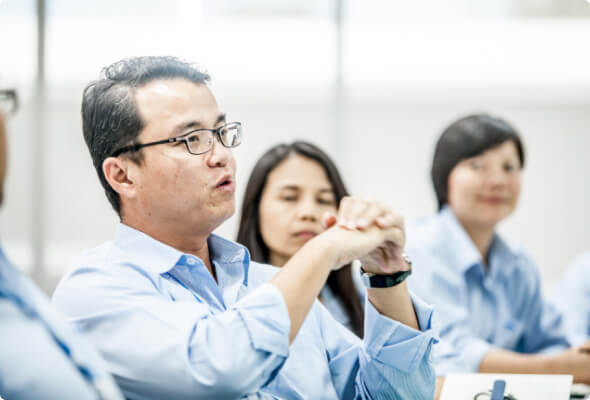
369, 231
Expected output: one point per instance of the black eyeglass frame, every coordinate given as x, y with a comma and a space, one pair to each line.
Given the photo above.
12, 97
183, 138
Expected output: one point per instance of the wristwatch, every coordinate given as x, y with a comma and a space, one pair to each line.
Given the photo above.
384, 281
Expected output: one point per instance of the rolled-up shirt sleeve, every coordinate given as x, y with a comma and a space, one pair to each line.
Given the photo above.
395, 358
392, 362
157, 348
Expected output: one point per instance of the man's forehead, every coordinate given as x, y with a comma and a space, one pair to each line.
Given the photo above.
173, 90
170, 97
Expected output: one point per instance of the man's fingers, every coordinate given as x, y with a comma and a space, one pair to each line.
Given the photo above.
370, 216
346, 205
359, 213
389, 220
351, 211
396, 235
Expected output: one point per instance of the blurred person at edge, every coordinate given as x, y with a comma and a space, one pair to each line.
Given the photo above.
572, 298
487, 291
41, 356
289, 190
179, 312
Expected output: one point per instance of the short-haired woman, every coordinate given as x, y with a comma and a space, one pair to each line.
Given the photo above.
487, 291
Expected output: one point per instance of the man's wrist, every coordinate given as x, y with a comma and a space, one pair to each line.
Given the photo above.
324, 244
378, 281
384, 280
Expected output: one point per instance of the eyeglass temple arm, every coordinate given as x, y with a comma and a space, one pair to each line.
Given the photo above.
137, 146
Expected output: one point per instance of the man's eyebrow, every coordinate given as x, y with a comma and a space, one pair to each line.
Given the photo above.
185, 126
220, 118
194, 124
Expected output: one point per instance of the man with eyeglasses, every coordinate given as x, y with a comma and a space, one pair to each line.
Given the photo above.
41, 356
181, 313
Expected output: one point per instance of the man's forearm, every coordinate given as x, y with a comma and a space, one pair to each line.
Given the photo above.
395, 303
302, 278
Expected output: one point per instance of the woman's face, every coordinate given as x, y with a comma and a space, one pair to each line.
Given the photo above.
484, 189
296, 196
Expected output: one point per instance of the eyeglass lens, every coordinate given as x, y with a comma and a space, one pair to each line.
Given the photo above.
201, 141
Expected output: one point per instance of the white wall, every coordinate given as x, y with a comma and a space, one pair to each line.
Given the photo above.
403, 82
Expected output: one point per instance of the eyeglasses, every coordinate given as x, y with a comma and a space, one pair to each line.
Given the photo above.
197, 142
8, 101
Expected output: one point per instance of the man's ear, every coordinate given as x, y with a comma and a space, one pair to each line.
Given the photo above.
118, 173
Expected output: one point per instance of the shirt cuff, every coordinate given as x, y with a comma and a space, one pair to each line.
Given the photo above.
266, 317
390, 342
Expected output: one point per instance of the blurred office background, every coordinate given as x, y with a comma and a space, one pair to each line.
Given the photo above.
373, 82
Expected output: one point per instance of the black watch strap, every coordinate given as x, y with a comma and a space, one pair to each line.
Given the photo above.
385, 281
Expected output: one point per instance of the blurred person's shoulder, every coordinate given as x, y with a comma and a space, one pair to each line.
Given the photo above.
581, 264
424, 233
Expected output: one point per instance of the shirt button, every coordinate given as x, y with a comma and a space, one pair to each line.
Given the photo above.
191, 261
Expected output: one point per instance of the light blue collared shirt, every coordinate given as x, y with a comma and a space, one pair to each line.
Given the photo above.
333, 303
41, 356
479, 309
167, 329
572, 298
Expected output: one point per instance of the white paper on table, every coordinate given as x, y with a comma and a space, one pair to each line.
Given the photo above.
521, 386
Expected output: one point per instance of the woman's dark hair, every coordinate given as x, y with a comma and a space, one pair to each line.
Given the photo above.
340, 281
468, 137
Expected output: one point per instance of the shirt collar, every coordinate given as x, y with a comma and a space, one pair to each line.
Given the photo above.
465, 256
158, 258
503, 257
458, 246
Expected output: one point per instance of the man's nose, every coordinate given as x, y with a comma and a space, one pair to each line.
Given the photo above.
219, 154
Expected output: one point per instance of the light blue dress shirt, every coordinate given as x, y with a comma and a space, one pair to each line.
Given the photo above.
41, 356
572, 298
333, 303
167, 329
478, 308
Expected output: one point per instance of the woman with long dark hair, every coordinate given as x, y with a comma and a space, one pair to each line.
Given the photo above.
290, 188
